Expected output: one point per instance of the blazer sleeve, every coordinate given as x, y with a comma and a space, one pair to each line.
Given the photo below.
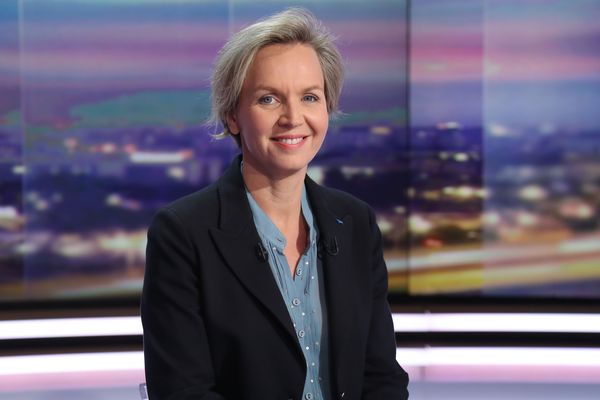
384, 379
176, 351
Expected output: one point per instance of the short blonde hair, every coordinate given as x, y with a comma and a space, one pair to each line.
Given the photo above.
294, 25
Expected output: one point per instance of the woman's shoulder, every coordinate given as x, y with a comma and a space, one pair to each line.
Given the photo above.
341, 204
198, 208
338, 201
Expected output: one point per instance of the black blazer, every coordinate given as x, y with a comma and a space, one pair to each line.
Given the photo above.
215, 323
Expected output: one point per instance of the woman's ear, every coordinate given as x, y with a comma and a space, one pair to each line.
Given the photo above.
232, 125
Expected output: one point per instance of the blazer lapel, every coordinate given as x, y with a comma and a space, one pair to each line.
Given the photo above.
336, 231
237, 241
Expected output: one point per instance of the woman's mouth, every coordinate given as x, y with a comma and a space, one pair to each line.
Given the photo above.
289, 141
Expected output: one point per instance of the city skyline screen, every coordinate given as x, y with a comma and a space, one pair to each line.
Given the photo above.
475, 138
505, 148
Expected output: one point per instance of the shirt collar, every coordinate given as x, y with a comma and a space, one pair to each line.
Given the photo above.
269, 231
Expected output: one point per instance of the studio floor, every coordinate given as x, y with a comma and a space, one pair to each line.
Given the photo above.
431, 381
418, 391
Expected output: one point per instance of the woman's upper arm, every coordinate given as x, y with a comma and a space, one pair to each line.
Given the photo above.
176, 350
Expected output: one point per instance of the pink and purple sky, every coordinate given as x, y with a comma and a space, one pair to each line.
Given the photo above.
482, 52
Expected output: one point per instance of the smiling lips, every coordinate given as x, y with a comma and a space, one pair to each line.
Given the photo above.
289, 140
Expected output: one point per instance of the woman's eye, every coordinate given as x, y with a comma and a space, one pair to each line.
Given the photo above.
266, 100
310, 98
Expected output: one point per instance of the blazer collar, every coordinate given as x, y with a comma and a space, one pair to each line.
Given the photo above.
238, 243
235, 214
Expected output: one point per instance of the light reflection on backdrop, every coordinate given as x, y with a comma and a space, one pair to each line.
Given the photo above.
506, 148
495, 190
114, 95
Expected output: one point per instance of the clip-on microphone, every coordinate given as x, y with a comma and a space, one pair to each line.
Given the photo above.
261, 252
332, 248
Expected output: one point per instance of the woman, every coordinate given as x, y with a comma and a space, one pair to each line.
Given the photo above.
266, 285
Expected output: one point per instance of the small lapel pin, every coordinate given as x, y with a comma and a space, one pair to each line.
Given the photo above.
339, 221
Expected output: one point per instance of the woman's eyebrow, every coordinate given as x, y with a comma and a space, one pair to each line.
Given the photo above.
314, 87
267, 88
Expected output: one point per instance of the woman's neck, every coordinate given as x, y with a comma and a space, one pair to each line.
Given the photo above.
280, 198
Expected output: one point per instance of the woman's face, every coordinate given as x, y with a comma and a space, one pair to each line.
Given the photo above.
282, 111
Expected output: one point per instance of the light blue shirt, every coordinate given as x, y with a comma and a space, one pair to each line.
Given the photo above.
302, 295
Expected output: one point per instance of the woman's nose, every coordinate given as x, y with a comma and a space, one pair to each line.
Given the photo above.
291, 115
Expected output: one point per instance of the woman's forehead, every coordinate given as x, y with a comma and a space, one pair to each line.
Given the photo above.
279, 64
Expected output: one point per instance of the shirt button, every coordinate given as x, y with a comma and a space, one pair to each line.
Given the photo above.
308, 396
301, 333
296, 301
299, 271
306, 262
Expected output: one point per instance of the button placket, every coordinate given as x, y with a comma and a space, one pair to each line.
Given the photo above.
300, 292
